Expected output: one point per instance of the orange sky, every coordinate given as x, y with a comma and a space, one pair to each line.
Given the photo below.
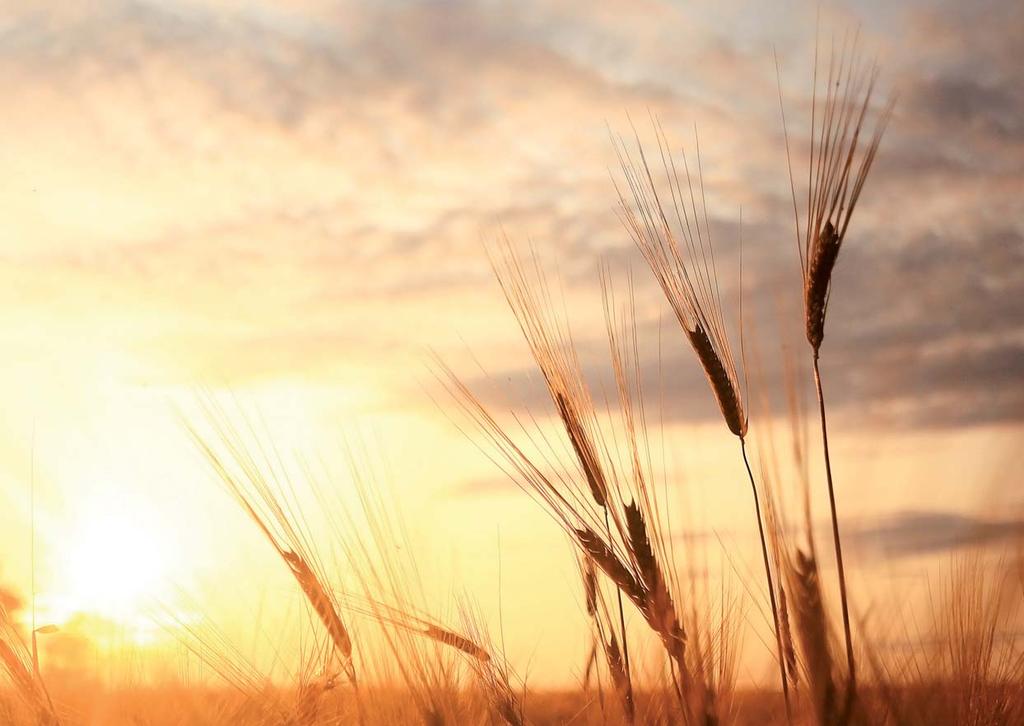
290, 203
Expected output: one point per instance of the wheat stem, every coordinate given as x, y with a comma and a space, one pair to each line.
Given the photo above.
850, 665
622, 624
771, 584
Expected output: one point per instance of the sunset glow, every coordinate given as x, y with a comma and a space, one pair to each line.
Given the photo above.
440, 349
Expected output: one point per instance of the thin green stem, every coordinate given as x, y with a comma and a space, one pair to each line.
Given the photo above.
851, 668
771, 584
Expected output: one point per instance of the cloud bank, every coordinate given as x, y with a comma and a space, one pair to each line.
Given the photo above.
254, 191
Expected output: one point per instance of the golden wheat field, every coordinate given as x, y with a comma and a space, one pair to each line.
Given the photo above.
511, 364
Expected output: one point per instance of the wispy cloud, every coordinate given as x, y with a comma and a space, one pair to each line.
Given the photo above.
259, 191
911, 533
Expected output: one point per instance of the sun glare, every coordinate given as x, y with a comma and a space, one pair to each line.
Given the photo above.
114, 565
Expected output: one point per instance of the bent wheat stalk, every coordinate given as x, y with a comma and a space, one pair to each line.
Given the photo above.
673, 233
527, 295
252, 480
258, 488
606, 503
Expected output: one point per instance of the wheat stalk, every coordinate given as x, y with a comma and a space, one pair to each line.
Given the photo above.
673, 233
454, 640
812, 630
494, 675
590, 508
253, 481
837, 170
16, 662
550, 343
686, 274
605, 635
256, 486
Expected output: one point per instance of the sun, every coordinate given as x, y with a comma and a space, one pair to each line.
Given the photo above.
114, 563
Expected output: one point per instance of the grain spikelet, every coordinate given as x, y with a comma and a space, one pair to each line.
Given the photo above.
612, 566
813, 634
674, 237
786, 633
660, 609
459, 642
494, 675
252, 478
722, 383
585, 452
838, 167
527, 294
822, 258
322, 603
604, 634
589, 585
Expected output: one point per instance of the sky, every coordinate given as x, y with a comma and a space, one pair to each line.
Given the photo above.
290, 204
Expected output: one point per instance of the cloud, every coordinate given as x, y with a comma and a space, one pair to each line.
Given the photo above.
970, 106
911, 533
272, 191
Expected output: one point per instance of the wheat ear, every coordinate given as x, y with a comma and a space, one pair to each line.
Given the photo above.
251, 477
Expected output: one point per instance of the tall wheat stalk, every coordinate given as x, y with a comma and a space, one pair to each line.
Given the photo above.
688, 278
837, 170
550, 342
607, 503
